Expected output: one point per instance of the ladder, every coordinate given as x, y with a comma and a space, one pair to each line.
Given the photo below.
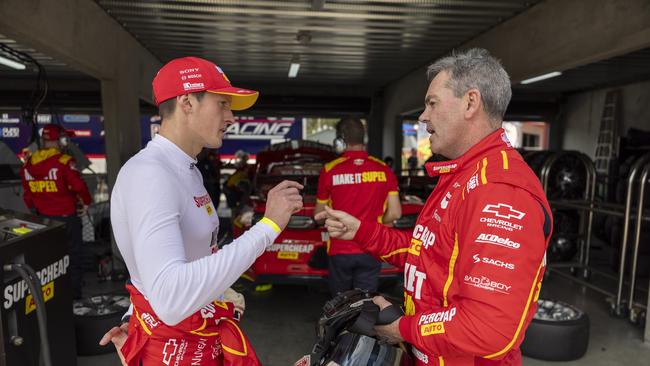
608, 143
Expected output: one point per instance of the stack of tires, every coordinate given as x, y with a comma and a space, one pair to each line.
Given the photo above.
566, 181
93, 317
558, 332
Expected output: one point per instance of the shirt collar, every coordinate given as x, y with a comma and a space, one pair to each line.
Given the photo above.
495, 140
355, 154
174, 154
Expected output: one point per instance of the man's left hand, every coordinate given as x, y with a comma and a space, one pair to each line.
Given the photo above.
388, 333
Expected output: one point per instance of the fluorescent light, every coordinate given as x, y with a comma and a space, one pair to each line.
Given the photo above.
11, 63
541, 77
293, 70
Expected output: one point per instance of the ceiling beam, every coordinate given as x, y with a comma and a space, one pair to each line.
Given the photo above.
79, 33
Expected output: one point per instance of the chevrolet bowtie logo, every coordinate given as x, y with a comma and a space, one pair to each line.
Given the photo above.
504, 211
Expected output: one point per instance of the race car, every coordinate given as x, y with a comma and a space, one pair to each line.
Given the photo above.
299, 254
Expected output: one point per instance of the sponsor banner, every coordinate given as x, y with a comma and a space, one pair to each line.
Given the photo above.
15, 292
76, 118
251, 134
291, 248
17, 133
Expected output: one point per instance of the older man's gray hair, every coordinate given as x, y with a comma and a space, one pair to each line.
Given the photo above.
477, 69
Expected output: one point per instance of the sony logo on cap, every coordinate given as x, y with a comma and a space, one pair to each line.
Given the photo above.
186, 71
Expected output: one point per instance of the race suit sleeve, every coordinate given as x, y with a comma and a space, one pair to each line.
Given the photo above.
176, 287
324, 185
384, 243
27, 192
75, 183
500, 243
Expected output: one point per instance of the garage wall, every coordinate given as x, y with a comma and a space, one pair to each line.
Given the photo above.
583, 111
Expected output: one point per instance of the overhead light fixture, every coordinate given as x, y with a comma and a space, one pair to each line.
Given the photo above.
294, 67
11, 63
541, 77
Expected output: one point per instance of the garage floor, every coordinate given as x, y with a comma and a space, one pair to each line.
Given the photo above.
281, 325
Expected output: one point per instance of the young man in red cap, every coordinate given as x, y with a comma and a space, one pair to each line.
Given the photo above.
53, 188
165, 225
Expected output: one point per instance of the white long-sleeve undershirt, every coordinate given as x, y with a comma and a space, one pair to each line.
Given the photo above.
164, 224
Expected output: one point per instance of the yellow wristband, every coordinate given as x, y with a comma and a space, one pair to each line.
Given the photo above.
272, 224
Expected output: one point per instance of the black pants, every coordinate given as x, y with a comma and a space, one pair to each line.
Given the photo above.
350, 271
75, 240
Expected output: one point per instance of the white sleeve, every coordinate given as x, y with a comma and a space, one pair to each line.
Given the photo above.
128, 313
175, 287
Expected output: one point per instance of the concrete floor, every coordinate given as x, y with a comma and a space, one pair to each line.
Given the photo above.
281, 326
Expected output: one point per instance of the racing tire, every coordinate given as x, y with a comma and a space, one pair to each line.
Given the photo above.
558, 332
93, 317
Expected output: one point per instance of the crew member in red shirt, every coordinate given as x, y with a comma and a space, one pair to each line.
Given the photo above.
474, 263
365, 187
53, 188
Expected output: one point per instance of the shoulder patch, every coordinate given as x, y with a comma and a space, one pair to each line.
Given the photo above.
334, 163
377, 160
64, 159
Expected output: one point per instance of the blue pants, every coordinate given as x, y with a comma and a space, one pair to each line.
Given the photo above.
350, 271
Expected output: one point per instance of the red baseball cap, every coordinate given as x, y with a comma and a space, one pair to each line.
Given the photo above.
192, 74
52, 132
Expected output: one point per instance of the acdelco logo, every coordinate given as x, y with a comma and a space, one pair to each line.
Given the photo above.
497, 240
494, 262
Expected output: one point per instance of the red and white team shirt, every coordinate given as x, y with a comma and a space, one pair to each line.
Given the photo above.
359, 184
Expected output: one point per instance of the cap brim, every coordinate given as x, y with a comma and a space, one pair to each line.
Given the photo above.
241, 98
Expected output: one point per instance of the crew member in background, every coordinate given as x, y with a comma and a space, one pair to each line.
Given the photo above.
239, 185
365, 186
53, 188
412, 162
209, 165
474, 263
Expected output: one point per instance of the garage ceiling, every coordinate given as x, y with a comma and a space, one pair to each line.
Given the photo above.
628, 68
336, 41
345, 48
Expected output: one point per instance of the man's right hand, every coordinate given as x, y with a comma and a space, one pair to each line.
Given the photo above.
339, 224
282, 201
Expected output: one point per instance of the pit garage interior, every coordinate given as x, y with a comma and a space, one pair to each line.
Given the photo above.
580, 116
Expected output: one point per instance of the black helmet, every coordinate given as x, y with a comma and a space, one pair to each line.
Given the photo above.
346, 334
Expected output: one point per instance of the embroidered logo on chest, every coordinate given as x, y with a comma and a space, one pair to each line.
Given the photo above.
204, 201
